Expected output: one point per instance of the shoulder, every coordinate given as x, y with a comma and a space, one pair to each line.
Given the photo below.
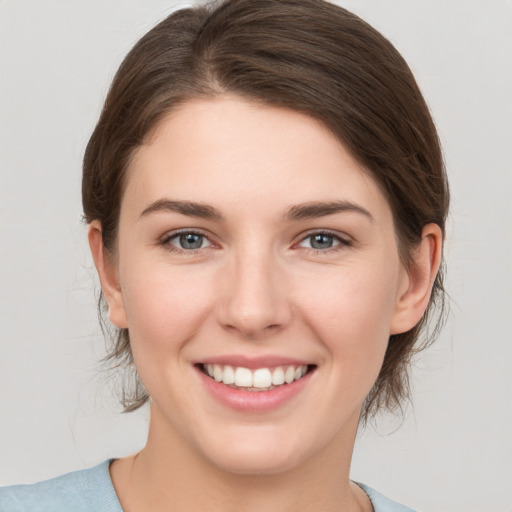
381, 503
80, 491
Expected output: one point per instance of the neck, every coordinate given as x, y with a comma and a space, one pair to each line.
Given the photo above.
169, 475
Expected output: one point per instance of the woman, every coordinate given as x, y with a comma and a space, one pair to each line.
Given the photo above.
266, 202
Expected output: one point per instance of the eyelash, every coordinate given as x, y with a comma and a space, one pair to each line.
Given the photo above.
341, 242
166, 242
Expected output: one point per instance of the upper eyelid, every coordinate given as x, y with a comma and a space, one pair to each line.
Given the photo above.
335, 234
343, 237
166, 241
168, 235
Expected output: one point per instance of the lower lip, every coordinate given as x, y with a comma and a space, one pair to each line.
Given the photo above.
254, 401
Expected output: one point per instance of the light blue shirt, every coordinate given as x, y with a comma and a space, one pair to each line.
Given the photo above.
91, 490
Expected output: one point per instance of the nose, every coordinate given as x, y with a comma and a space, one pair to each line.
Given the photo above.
254, 300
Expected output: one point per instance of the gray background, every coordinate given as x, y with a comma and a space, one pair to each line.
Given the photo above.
453, 451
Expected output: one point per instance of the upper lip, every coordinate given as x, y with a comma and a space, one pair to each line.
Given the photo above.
253, 363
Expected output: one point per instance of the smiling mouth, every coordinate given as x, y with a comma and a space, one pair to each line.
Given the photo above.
260, 379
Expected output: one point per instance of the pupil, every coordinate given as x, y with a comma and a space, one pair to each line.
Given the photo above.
321, 241
191, 241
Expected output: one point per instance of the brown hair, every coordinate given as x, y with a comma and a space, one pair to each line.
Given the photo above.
306, 55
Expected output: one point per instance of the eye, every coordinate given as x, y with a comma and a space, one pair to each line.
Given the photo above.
322, 241
187, 241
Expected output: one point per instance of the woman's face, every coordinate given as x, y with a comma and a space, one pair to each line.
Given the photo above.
254, 247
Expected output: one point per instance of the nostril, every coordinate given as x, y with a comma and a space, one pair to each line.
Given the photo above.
252, 302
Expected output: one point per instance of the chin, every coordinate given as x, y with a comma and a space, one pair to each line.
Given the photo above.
261, 463
253, 456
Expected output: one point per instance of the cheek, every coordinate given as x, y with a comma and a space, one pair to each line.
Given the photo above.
352, 316
164, 307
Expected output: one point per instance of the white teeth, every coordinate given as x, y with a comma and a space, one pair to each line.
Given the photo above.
300, 372
289, 375
217, 372
229, 375
261, 378
243, 377
278, 376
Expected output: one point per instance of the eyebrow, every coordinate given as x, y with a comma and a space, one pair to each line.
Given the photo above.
189, 208
316, 209
311, 210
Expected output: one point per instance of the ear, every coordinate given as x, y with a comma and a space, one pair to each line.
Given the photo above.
108, 274
415, 293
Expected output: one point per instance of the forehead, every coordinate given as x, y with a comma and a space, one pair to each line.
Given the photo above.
233, 152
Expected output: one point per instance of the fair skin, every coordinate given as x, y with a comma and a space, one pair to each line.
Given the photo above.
249, 237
